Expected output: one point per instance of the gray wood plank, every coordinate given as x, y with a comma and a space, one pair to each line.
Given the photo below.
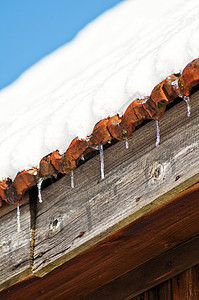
137, 180
14, 246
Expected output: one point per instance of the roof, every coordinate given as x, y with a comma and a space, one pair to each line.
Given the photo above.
120, 128
58, 103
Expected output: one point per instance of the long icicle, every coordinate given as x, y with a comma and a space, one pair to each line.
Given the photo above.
72, 179
187, 100
18, 218
158, 133
101, 161
39, 184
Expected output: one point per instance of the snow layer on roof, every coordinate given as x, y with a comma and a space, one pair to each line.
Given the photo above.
120, 56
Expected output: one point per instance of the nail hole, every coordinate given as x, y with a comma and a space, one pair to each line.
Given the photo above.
169, 264
137, 199
177, 177
80, 234
55, 222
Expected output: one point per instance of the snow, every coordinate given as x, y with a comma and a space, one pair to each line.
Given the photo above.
120, 56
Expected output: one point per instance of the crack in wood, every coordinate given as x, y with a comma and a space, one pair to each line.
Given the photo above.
33, 195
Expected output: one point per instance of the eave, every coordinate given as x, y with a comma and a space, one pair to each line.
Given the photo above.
86, 237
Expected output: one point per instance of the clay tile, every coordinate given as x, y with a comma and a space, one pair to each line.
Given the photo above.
25, 180
118, 130
100, 134
158, 100
3, 187
189, 77
137, 111
12, 196
56, 160
68, 163
77, 148
169, 87
46, 168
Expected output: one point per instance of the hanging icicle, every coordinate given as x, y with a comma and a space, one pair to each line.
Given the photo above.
187, 100
72, 179
39, 185
184, 97
127, 143
18, 218
101, 161
158, 133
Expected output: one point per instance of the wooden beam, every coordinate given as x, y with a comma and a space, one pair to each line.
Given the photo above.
152, 273
14, 245
148, 237
137, 180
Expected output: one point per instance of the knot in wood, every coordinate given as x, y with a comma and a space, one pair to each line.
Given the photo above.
156, 171
55, 224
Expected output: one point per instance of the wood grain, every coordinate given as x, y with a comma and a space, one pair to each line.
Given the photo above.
137, 180
184, 286
14, 246
151, 274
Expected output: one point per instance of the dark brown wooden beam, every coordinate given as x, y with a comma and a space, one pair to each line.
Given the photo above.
152, 273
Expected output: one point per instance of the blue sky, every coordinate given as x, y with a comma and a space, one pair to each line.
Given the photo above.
31, 29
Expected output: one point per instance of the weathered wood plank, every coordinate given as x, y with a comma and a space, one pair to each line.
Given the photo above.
14, 246
137, 180
145, 238
151, 274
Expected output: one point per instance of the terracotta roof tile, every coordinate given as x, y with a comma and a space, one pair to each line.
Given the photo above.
100, 134
117, 127
46, 168
120, 130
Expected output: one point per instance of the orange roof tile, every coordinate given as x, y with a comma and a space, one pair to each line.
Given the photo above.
117, 127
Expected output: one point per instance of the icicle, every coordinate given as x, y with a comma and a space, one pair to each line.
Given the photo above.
18, 218
158, 133
187, 100
39, 184
72, 179
127, 143
101, 161
82, 158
